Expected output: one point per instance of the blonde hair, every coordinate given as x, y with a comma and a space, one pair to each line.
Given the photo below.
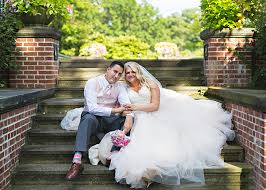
144, 81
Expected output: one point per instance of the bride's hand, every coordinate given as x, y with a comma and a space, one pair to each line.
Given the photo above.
124, 113
121, 135
130, 107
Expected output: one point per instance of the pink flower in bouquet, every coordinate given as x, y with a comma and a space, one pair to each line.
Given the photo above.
118, 141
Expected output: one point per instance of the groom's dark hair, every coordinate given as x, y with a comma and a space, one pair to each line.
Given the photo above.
113, 63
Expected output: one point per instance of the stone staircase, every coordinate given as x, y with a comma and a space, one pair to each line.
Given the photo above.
47, 154
172, 74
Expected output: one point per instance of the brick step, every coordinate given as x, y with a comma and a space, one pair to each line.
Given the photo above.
166, 81
156, 71
101, 63
51, 153
232, 175
69, 186
78, 92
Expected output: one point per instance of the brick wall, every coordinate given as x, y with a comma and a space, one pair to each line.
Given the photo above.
13, 127
228, 57
250, 128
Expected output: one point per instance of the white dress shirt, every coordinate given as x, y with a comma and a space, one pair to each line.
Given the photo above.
100, 96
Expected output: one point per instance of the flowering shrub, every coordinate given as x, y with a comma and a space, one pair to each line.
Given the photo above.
166, 50
95, 50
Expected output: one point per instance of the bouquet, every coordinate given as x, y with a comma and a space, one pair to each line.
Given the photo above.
117, 140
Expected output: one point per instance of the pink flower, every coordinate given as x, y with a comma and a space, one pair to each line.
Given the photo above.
117, 141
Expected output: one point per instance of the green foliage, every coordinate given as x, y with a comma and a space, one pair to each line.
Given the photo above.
259, 78
219, 14
8, 28
113, 19
73, 36
127, 47
95, 50
193, 29
122, 47
166, 50
77, 30
259, 72
36, 7
259, 18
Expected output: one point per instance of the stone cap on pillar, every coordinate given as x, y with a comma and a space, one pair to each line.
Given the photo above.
226, 32
38, 32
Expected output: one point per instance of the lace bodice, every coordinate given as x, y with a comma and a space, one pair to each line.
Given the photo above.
143, 96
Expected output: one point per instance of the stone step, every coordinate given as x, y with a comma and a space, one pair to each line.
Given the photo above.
232, 175
62, 153
101, 63
188, 89
166, 81
69, 92
158, 72
53, 136
69, 186
47, 121
59, 106
78, 92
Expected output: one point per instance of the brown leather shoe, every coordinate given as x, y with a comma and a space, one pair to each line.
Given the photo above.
107, 162
74, 171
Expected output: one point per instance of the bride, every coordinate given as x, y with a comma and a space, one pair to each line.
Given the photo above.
174, 137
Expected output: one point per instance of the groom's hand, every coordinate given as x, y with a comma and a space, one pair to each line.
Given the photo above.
118, 109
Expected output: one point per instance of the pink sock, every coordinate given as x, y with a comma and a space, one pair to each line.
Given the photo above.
77, 158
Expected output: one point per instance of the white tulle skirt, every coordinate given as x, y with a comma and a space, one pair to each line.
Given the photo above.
174, 143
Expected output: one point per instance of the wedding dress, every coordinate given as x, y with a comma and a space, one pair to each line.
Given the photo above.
174, 143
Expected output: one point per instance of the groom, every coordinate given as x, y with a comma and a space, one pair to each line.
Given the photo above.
101, 114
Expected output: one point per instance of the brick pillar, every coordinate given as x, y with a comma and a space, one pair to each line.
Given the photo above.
228, 57
37, 57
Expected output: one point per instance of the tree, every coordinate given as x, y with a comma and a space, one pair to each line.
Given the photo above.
75, 32
192, 40
120, 18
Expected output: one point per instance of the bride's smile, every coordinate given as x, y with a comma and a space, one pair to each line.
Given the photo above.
131, 75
